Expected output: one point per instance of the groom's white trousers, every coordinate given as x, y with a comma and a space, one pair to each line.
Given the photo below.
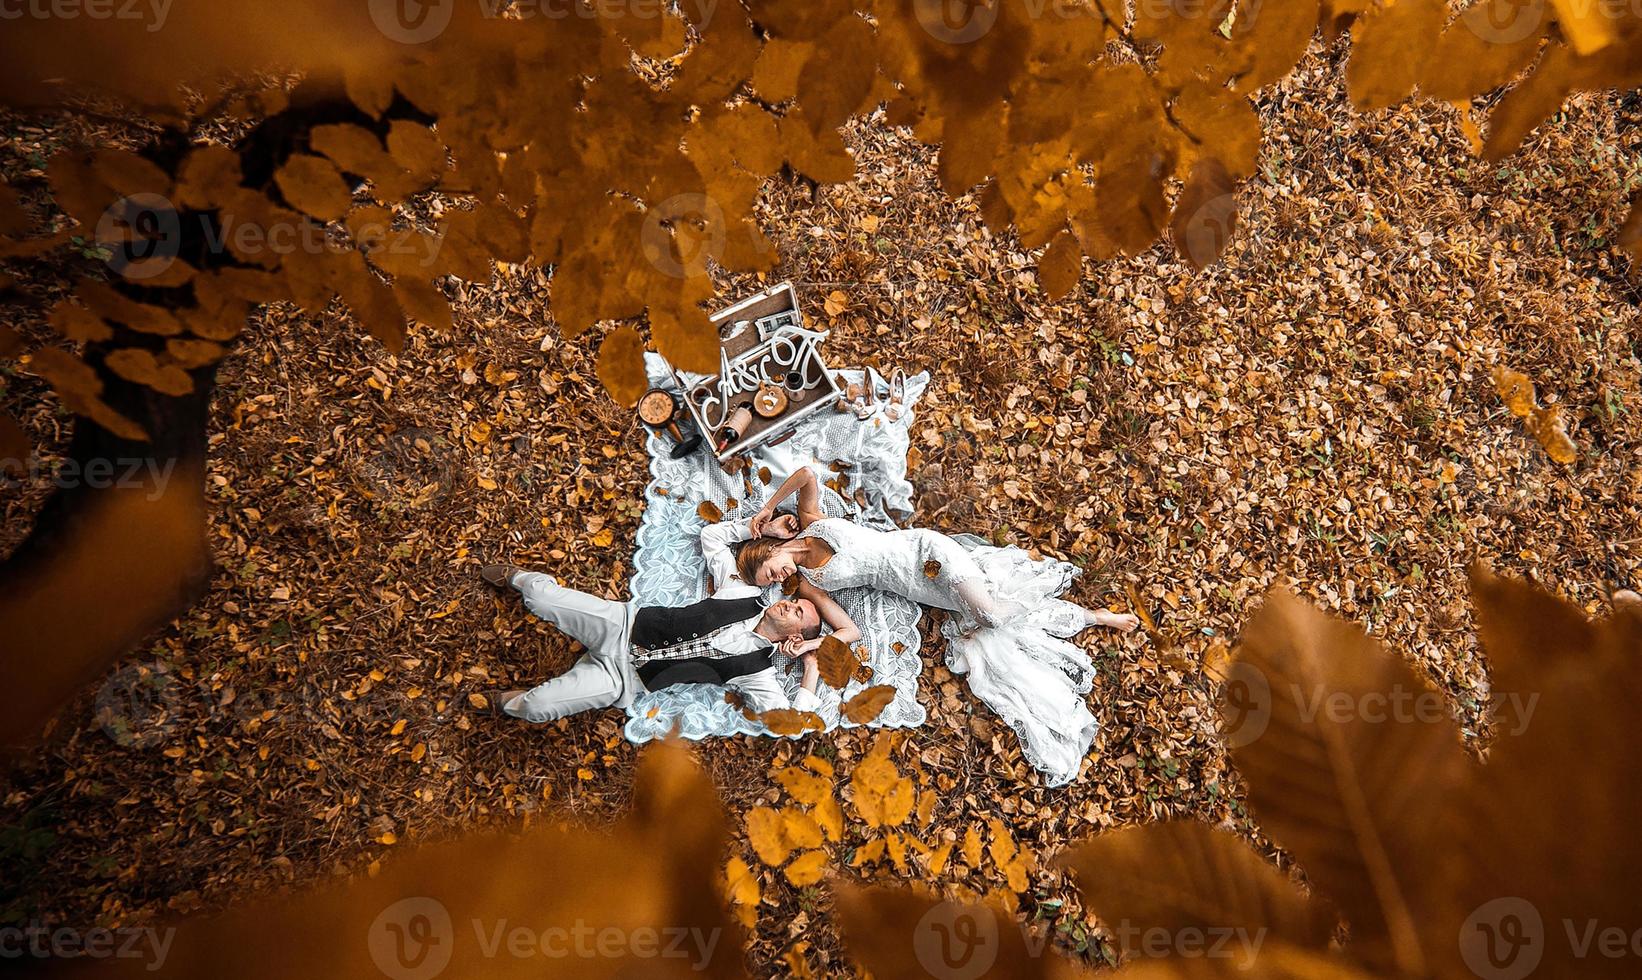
602, 677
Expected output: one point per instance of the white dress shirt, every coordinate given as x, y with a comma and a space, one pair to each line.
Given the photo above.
763, 689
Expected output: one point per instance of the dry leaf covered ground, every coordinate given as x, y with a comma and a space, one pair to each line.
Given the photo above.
1316, 408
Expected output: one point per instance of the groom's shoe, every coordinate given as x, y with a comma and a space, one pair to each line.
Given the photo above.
501, 576
495, 698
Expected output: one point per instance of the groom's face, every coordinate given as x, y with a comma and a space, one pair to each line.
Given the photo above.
790, 617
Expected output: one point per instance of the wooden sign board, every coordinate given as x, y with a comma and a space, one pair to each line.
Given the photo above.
763, 341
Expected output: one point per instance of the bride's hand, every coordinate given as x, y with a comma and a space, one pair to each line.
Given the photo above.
1122, 622
755, 526
797, 646
784, 527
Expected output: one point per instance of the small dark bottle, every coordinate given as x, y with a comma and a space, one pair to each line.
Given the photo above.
736, 426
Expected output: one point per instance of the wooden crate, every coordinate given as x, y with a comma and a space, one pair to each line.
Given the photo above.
761, 354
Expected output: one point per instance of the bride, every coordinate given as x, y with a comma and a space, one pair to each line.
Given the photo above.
1008, 634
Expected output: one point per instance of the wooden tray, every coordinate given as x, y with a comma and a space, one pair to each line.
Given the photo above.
763, 356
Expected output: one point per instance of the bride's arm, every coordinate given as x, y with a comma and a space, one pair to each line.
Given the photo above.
803, 483
717, 548
843, 627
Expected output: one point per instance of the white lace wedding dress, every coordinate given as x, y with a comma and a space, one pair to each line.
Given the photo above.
1007, 632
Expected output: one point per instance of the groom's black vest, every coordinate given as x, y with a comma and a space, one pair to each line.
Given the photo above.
655, 627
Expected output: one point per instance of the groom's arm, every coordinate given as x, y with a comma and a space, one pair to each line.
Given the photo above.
717, 547
763, 691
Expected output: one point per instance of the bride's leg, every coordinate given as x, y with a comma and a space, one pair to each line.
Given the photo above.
1062, 618
1122, 622
981, 605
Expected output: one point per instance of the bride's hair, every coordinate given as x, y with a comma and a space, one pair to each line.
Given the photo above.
752, 555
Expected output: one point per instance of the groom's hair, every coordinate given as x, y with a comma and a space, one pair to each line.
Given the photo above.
752, 555
812, 632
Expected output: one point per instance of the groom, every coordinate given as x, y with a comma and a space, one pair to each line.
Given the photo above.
727, 639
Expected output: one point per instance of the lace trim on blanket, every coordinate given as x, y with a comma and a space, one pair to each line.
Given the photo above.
668, 568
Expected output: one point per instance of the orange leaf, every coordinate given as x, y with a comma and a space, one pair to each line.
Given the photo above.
621, 366
800, 828
1205, 214
14, 444
870, 851
742, 883
1061, 265
786, 721
836, 662
313, 186
767, 833
869, 704
883, 796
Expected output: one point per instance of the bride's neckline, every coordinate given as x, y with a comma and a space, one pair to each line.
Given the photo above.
821, 547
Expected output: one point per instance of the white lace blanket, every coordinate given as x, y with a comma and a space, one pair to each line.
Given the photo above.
668, 569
